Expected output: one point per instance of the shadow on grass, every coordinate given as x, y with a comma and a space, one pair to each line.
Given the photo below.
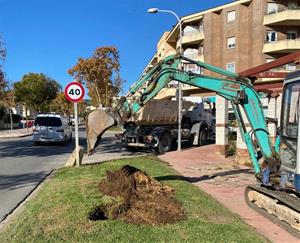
204, 177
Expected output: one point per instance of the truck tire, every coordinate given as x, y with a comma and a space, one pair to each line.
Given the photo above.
165, 143
202, 139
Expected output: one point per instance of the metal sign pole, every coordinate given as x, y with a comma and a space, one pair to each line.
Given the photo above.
74, 92
76, 134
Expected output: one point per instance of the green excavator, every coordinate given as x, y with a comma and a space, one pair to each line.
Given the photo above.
276, 166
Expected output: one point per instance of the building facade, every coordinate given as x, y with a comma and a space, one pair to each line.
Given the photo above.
236, 36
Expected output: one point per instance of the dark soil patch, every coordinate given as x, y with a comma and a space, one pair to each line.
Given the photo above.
143, 200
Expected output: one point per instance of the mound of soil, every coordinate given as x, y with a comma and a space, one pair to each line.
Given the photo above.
140, 199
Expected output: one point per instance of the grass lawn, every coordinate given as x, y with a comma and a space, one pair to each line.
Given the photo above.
115, 129
59, 212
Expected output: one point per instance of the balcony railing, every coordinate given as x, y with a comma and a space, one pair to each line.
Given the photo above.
192, 31
281, 9
283, 16
282, 45
195, 56
192, 37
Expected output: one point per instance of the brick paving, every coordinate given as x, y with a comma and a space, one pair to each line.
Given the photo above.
226, 181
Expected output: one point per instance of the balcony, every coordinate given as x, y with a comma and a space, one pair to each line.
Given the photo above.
282, 46
283, 17
191, 37
195, 56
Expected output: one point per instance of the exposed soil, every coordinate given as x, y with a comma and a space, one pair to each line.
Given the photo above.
140, 199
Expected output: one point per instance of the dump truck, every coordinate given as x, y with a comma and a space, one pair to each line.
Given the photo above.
156, 124
276, 166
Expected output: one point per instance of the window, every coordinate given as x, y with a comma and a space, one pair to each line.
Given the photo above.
271, 36
231, 42
230, 67
291, 67
291, 110
291, 35
48, 121
272, 8
191, 53
192, 68
230, 16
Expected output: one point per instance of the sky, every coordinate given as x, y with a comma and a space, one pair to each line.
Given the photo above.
48, 36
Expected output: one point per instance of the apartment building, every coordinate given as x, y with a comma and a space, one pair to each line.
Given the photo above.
235, 36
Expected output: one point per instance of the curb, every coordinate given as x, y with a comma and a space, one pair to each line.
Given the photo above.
9, 217
16, 136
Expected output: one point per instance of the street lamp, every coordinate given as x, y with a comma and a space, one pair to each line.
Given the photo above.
156, 10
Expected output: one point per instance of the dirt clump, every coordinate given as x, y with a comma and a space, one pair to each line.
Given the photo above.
140, 199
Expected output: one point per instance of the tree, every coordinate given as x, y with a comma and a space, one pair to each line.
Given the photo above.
99, 72
8, 102
3, 82
61, 105
36, 91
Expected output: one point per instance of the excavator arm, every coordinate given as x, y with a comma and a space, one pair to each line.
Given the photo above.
238, 90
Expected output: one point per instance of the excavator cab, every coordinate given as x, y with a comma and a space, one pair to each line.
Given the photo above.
290, 132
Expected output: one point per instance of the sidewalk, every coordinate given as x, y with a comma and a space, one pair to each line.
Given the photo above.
106, 150
225, 181
15, 133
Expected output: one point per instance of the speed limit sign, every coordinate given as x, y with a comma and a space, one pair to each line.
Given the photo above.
74, 91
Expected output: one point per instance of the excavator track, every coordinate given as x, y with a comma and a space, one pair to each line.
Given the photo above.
281, 207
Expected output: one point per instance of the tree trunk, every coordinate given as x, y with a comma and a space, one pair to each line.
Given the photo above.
10, 118
26, 118
98, 95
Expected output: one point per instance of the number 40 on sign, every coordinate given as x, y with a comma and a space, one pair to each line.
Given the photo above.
74, 92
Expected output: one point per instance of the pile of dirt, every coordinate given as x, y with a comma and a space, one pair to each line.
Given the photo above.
139, 199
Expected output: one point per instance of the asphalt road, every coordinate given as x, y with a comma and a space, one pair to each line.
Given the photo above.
23, 166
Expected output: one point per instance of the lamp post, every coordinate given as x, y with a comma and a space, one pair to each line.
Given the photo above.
156, 10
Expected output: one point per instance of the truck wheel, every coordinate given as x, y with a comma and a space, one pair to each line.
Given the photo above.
202, 139
165, 143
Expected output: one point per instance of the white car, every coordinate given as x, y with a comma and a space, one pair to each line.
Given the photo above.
51, 128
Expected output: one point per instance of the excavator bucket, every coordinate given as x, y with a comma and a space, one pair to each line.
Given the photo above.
98, 121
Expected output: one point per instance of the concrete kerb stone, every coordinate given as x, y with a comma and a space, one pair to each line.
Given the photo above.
15, 133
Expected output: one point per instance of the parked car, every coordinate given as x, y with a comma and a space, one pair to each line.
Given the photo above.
25, 123
51, 128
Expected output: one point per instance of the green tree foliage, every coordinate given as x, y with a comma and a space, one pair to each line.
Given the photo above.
8, 102
3, 81
61, 105
36, 91
100, 72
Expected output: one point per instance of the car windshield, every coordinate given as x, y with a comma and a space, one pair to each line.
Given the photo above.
48, 121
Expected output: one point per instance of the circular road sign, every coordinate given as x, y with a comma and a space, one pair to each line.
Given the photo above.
74, 91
